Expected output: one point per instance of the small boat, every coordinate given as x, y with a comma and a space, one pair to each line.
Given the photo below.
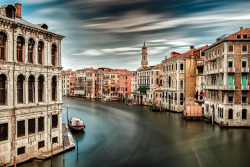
76, 124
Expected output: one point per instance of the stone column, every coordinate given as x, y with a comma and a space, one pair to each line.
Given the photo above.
25, 92
35, 56
36, 91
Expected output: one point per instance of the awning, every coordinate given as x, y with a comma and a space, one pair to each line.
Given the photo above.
142, 89
203, 94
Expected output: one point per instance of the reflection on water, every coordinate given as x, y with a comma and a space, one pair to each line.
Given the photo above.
121, 135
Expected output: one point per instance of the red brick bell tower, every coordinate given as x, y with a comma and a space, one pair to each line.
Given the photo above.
144, 60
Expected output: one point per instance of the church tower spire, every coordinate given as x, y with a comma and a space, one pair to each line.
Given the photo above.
144, 60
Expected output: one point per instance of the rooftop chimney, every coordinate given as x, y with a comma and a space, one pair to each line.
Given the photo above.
18, 10
191, 47
241, 28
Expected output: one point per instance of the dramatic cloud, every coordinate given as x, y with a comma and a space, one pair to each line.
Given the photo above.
111, 32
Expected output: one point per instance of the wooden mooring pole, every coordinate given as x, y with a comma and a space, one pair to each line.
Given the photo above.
14, 161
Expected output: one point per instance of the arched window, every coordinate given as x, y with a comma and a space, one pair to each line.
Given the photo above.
40, 52
31, 88
20, 44
230, 114
230, 62
54, 91
20, 80
53, 54
244, 62
3, 39
31, 45
244, 114
40, 88
2, 89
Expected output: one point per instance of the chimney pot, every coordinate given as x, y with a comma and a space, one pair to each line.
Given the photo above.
191, 47
241, 28
18, 10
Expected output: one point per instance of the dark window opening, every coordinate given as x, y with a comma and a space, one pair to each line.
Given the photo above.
230, 98
245, 36
3, 39
20, 80
244, 48
230, 114
3, 131
20, 150
40, 124
54, 140
21, 128
31, 88
238, 36
244, 98
31, 45
31, 126
244, 114
40, 144
40, 52
53, 54
40, 88
20, 44
54, 121
230, 48
2, 89
54, 85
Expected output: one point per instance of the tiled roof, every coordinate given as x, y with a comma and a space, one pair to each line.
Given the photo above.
241, 32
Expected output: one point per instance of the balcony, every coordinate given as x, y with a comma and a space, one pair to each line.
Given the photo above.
182, 71
244, 87
215, 87
245, 69
227, 87
221, 70
231, 70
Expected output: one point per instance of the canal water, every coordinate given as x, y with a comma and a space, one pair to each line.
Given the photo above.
132, 136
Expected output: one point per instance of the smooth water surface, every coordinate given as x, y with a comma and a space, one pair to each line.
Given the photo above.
120, 135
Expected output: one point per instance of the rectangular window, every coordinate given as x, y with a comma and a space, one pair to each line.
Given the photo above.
54, 140
40, 144
230, 98
20, 150
245, 36
238, 36
230, 48
40, 124
181, 68
3, 131
244, 48
31, 126
54, 121
244, 98
21, 128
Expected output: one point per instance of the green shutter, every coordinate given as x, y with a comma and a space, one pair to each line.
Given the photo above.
230, 95
218, 80
244, 95
230, 80
244, 80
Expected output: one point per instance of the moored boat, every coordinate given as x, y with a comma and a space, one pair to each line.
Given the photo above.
76, 124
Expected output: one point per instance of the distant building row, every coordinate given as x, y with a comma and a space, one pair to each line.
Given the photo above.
210, 81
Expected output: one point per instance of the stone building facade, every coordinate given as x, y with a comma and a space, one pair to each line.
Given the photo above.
30, 87
227, 74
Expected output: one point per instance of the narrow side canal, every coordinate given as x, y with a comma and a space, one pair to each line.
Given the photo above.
120, 135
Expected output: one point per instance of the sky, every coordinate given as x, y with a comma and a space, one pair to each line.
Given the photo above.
110, 33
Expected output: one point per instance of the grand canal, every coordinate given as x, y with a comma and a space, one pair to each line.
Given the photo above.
119, 135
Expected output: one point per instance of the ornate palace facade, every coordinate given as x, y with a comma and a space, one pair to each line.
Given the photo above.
30, 87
